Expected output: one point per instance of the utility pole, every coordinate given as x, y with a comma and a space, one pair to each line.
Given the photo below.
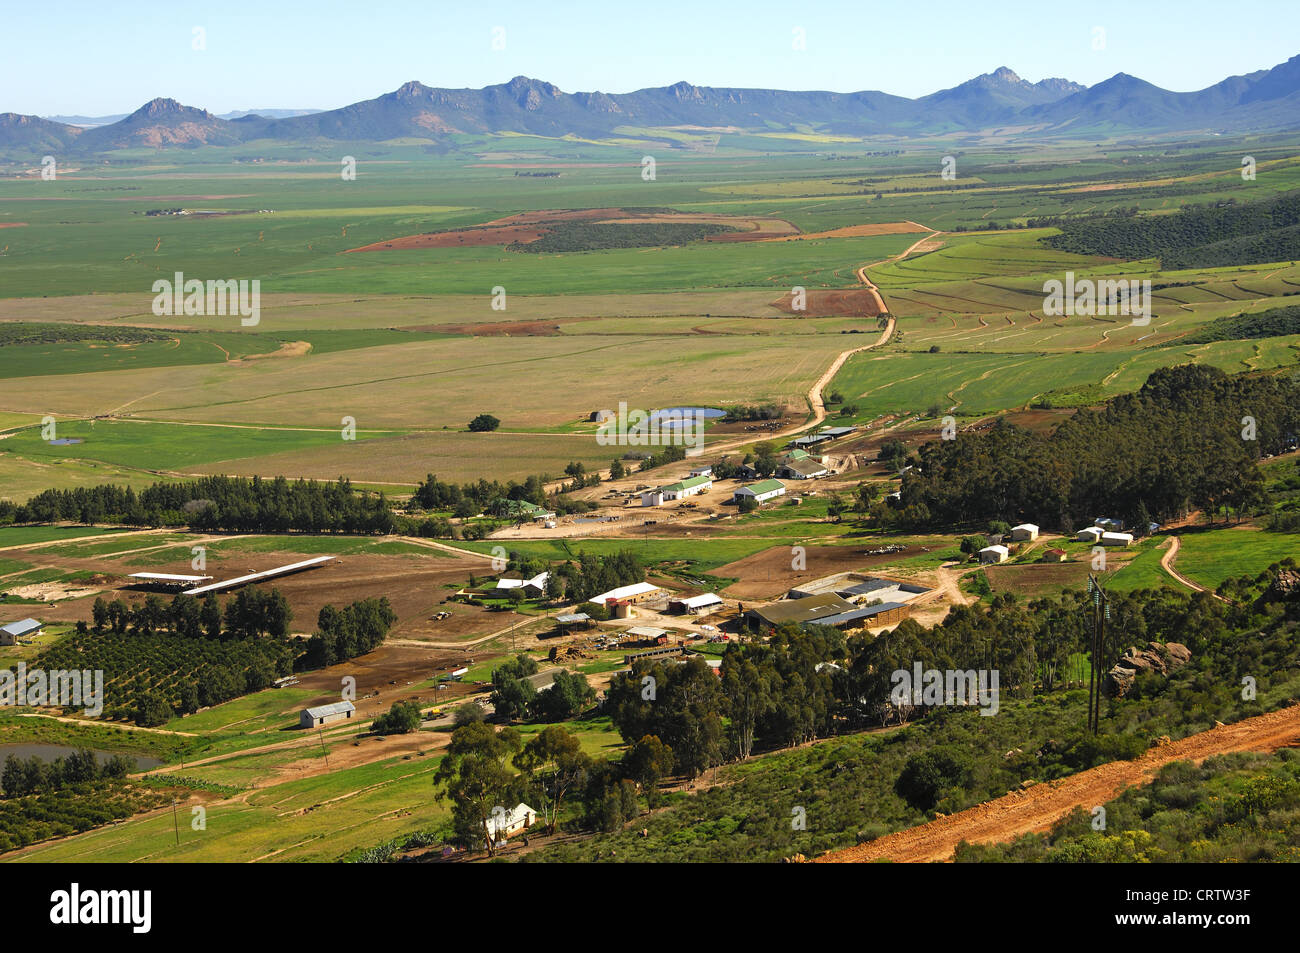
176, 824
1100, 615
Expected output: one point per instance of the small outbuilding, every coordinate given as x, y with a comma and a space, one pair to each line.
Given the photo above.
994, 554
1024, 532
326, 714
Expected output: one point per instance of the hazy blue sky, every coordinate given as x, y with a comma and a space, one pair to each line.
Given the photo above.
84, 57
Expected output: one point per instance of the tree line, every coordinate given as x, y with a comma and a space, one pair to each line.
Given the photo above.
1190, 438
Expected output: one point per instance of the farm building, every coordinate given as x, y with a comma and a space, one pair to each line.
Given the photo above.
325, 714
637, 592
1108, 524
808, 609
648, 634
994, 554
1053, 556
677, 491
821, 436
806, 469
856, 588
664, 652
694, 605
314, 563
166, 580
761, 492
11, 633
1024, 532
1116, 539
573, 620
501, 825
503, 508
533, 588
702, 471
1089, 535
883, 613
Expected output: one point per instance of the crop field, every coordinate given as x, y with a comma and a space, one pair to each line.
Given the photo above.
410, 343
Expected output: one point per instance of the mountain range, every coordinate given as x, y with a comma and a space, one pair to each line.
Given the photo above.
1266, 100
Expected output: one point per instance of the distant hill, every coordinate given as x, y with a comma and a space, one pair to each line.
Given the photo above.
161, 122
1229, 233
1266, 100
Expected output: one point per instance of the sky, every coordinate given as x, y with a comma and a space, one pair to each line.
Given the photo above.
100, 57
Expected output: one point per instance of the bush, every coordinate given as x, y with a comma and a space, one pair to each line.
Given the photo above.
484, 423
929, 775
401, 719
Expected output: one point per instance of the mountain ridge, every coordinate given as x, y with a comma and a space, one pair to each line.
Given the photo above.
1267, 99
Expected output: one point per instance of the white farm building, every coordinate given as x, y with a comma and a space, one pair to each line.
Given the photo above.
762, 491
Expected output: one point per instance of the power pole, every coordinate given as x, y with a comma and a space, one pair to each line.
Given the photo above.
176, 824
1097, 661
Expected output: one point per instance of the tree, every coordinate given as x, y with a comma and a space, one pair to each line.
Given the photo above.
929, 775
617, 470
747, 504
555, 765
647, 763
484, 423
476, 777
403, 718
567, 696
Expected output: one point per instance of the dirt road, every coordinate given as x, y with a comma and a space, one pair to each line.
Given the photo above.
1167, 564
1041, 806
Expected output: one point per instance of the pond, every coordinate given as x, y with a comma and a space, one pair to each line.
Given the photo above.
50, 752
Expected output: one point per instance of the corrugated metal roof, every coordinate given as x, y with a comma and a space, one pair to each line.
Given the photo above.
259, 576
22, 627
865, 613
764, 486
334, 708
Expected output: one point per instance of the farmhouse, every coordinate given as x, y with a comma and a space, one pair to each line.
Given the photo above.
694, 605
1090, 535
761, 492
1053, 556
325, 714
11, 633
994, 554
1116, 539
521, 510
501, 825
637, 592
1023, 532
533, 588
805, 469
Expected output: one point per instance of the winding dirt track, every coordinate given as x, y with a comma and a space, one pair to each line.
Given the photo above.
1167, 564
1041, 806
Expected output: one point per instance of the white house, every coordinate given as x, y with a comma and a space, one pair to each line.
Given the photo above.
1116, 539
1090, 535
501, 824
761, 492
677, 491
702, 471
994, 554
1024, 531
535, 587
